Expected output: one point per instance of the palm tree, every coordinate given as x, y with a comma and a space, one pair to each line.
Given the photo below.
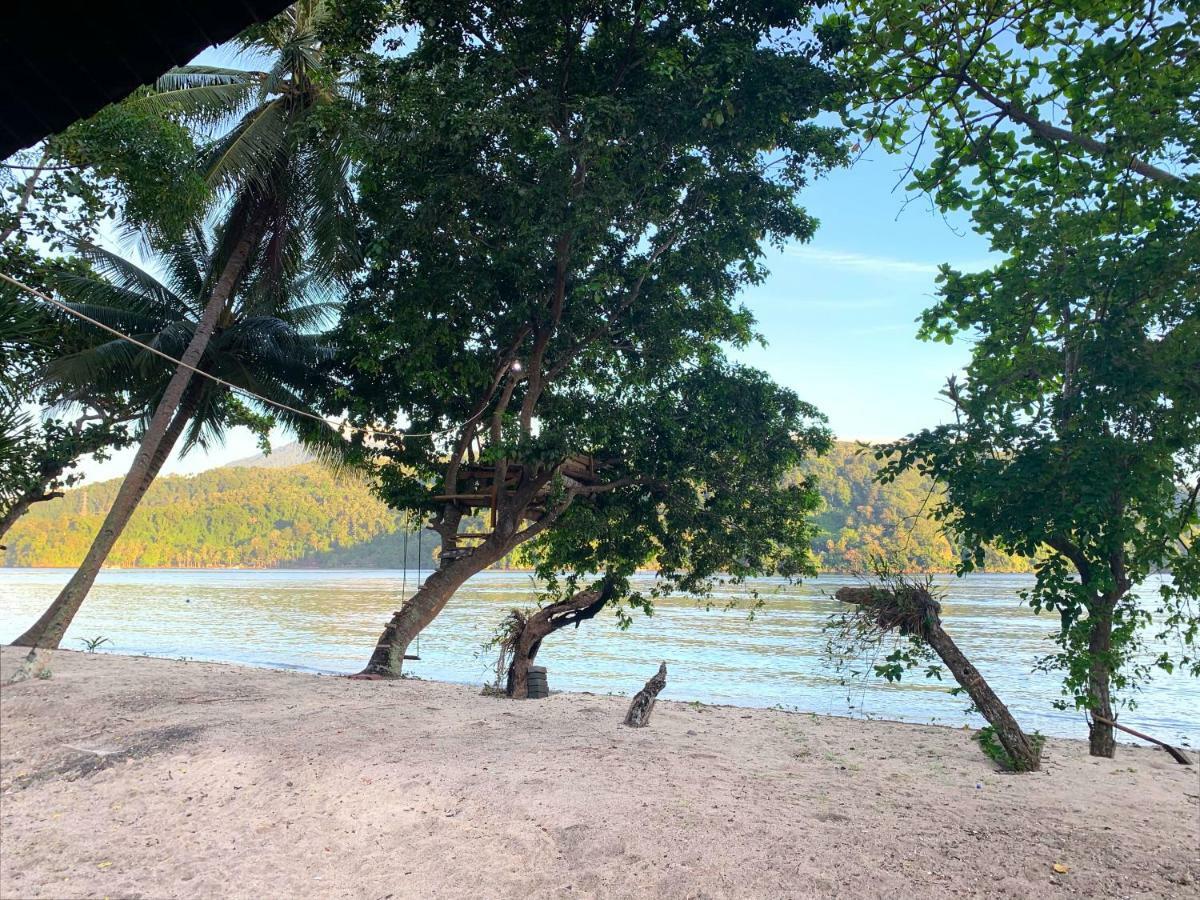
270, 349
281, 177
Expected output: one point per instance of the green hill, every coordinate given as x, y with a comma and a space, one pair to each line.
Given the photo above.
301, 516
862, 518
282, 512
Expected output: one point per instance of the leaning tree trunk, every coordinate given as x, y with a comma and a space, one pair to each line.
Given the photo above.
387, 659
47, 632
546, 621
49, 629
1025, 756
1101, 738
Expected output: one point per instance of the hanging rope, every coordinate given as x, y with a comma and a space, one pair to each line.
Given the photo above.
420, 534
404, 561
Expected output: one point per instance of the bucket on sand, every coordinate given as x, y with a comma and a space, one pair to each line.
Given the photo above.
538, 686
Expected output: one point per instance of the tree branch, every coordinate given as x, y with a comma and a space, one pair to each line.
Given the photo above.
1055, 134
1075, 555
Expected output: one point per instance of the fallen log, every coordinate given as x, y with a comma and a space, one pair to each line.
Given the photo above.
643, 702
1179, 756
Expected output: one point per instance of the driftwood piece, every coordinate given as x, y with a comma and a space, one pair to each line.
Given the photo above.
643, 702
1178, 755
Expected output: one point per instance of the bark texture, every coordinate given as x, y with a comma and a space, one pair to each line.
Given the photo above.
1102, 740
571, 611
1025, 755
926, 622
643, 702
164, 429
387, 659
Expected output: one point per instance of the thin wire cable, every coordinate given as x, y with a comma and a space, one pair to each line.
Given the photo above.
246, 391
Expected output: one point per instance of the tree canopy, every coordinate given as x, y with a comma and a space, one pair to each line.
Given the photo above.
1078, 425
563, 204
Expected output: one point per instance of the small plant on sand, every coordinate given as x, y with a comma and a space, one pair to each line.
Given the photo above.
44, 675
990, 744
91, 645
502, 643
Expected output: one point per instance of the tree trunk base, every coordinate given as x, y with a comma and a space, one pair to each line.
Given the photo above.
35, 663
1101, 740
573, 610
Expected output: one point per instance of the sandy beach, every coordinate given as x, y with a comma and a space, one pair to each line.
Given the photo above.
146, 778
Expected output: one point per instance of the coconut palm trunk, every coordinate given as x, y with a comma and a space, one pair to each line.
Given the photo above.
164, 429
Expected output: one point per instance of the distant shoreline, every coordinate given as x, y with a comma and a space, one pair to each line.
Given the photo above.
514, 571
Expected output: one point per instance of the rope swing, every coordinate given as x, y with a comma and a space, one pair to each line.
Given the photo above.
404, 578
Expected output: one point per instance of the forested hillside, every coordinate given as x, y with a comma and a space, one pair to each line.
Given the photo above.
303, 515
862, 518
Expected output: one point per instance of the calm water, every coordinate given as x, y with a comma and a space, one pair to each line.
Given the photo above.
328, 621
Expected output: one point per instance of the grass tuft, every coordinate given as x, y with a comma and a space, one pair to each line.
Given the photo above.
990, 744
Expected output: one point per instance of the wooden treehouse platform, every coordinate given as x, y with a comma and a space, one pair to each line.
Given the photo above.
484, 491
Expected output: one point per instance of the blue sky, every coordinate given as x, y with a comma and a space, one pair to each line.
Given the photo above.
838, 313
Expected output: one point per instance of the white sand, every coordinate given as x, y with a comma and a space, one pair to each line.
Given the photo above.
135, 777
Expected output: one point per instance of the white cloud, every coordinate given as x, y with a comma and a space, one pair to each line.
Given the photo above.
881, 264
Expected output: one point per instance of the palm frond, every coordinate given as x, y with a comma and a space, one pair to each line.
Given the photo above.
120, 273
248, 154
201, 95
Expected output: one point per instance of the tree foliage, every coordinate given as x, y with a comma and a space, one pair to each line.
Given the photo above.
563, 202
124, 162
127, 162
1068, 132
39, 452
717, 494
